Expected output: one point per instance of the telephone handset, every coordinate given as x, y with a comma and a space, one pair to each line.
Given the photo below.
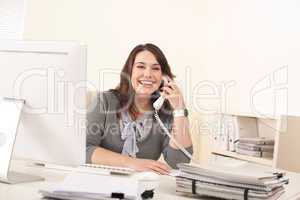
157, 105
160, 101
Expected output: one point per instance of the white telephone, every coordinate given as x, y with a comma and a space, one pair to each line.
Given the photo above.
159, 102
157, 105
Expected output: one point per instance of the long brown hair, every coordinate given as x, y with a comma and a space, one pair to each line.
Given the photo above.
125, 91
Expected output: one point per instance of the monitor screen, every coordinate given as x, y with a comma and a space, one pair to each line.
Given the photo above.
51, 78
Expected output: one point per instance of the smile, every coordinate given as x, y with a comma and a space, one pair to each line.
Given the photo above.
146, 83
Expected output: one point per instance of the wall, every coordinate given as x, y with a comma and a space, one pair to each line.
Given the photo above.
112, 28
215, 44
255, 44
228, 55
11, 19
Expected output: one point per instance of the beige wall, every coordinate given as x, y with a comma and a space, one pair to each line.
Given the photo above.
215, 40
207, 42
111, 28
11, 19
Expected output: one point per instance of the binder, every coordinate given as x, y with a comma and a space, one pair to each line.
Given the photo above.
216, 127
237, 175
225, 192
223, 137
243, 182
231, 128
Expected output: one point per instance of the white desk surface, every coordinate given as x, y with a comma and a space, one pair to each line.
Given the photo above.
166, 189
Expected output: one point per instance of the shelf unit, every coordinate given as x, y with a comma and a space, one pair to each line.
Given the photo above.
285, 130
263, 161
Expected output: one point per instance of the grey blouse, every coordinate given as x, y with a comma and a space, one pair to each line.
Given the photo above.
103, 130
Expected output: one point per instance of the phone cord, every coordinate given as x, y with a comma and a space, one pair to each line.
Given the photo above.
173, 139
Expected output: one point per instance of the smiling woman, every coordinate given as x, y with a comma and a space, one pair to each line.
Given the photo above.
122, 130
146, 73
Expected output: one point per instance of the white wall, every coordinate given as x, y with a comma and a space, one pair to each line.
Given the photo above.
112, 28
11, 19
251, 42
207, 42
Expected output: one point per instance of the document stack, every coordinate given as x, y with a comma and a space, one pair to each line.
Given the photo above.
99, 184
258, 147
230, 183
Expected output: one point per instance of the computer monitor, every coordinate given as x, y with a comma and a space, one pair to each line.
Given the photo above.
51, 78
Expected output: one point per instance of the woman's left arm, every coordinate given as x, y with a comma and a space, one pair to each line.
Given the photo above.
180, 127
180, 131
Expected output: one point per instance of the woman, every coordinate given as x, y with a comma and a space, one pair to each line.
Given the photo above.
121, 128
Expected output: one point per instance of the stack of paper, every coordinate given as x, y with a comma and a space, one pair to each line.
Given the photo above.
229, 183
91, 185
258, 147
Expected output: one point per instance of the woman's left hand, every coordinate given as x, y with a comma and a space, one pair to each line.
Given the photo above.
171, 91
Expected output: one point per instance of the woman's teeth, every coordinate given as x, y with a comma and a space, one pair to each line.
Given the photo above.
147, 83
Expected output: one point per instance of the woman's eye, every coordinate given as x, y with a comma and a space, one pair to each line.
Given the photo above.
156, 68
140, 66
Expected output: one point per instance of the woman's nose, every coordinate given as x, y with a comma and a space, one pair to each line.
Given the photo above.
147, 72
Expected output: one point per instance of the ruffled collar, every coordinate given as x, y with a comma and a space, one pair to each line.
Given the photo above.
136, 131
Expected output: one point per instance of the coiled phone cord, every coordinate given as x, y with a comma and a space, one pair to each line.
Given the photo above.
173, 139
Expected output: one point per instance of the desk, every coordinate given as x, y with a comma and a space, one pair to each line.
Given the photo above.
166, 189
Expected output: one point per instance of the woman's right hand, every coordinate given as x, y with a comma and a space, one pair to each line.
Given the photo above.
148, 165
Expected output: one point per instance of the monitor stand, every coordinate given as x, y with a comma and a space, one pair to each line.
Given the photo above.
10, 112
16, 177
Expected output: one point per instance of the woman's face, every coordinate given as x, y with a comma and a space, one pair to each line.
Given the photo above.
146, 73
